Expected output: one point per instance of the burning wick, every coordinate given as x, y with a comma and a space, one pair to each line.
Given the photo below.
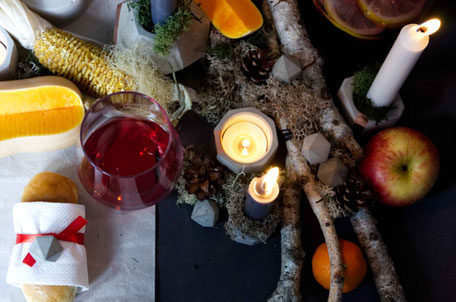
245, 144
265, 185
429, 27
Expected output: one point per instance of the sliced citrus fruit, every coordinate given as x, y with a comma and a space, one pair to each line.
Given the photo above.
349, 17
391, 13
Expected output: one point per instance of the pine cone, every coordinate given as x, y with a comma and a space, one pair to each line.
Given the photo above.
204, 177
354, 193
256, 65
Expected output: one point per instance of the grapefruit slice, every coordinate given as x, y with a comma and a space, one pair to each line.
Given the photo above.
391, 13
350, 18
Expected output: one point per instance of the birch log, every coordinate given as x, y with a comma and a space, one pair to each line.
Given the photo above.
292, 254
295, 41
307, 182
386, 280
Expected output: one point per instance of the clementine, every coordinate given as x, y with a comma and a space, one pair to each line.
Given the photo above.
353, 259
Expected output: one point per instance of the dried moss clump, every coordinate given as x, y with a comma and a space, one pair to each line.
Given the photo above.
29, 67
362, 81
238, 221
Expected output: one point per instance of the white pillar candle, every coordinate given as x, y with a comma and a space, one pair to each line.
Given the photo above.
407, 48
262, 193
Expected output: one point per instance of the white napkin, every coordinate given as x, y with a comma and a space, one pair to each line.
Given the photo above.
42, 218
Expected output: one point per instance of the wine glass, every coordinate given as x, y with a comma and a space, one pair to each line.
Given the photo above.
132, 154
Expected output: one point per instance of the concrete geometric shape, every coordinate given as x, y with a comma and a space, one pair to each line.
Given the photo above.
187, 49
315, 148
352, 114
205, 213
332, 172
287, 68
8, 64
240, 237
46, 248
255, 116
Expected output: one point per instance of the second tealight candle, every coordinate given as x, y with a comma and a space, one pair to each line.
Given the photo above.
261, 195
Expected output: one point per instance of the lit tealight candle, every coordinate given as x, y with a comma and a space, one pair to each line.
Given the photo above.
244, 142
409, 45
261, 195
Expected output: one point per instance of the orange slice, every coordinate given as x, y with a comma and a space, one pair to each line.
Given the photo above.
349, 17
39, 114
391, 13
233, 18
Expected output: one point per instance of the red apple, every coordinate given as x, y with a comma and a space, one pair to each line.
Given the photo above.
401, 164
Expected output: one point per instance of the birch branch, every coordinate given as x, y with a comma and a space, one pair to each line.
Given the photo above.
295, 41
307, 182
292, 254
386, 280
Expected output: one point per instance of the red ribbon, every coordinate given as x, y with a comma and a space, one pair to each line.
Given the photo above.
69, 234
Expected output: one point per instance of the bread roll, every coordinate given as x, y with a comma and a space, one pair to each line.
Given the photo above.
49, 187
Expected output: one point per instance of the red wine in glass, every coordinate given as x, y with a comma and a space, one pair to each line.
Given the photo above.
130, 161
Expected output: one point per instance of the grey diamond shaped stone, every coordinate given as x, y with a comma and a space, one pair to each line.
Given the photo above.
287, 68
46, 248
315, 148
205, 213
332, 172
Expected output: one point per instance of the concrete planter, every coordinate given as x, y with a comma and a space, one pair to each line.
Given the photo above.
9, 57
189, 47
345, 95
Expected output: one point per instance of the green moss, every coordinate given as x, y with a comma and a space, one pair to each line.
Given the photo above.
167, 34
362, 81
221, 51
143, 14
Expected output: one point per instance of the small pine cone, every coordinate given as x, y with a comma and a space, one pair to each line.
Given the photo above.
354, 193
204, 177
256, 65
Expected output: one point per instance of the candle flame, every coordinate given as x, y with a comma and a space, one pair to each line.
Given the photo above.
269, 180
245, 143
429, 27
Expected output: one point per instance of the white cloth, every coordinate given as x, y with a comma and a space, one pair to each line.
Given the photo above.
43, 218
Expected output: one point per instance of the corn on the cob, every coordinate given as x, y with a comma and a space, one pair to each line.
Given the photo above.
81, 62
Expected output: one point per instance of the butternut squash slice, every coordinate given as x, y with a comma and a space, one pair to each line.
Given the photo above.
233, 18
39, 114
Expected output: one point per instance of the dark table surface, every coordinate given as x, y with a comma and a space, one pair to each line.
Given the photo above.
203, 264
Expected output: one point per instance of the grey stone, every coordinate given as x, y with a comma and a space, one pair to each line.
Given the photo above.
240, 237
287, 68
46, 248
352, 114
205, 213
315, 148
188, 48
332, 172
